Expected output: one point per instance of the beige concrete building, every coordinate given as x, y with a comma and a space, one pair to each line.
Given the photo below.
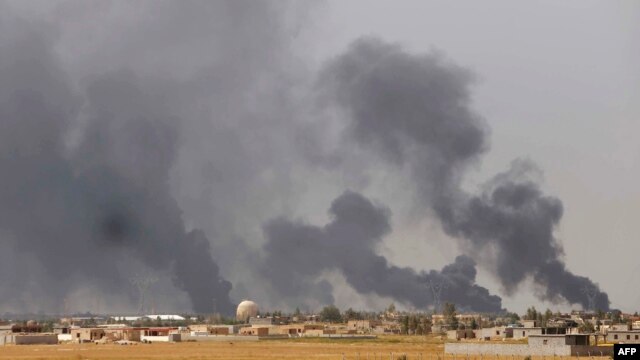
623, 336
255, 331
86, 334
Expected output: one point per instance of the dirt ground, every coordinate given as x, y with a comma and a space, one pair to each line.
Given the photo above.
383, 348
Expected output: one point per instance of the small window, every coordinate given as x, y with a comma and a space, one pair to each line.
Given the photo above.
636, 337
523, 334
615, 337
544, 342
628, 337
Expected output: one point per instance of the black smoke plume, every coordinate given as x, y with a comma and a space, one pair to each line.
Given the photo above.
348, 244
415, 111
76, 215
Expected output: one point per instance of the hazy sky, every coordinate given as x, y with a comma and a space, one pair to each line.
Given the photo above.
559, 82
555, 82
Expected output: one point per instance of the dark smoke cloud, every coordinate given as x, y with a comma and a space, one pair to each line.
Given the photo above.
78, 211
189, 100
514, 221
297, 254
118, 116
414, 110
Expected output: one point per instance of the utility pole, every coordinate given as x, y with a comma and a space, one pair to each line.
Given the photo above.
591, 292
142, 283
436, 287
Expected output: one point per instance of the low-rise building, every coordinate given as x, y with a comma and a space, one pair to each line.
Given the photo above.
525, 332
494, 333
623, 336
254, 331
619, 327
537, 345
460, 334
530, 323
35, 339
81, 335
363, 325
159, 334
263, 321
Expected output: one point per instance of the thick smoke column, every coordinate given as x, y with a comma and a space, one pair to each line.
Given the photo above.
414, 110
81, 212
514, 220
298, 253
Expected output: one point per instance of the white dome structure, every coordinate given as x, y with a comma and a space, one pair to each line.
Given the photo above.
246, 310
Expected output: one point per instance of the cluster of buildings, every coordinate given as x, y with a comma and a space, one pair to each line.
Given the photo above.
561, 336
250, 326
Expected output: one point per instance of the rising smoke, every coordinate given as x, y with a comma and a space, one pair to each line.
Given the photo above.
81, 213
414, 110
348, 243
107, 136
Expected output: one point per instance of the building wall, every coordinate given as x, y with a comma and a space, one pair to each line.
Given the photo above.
210, 329
591, 350
506, 349
362, 325
581, 339
255, 331
6, 338
460, 334
186, 337
619, 327
526, 349
64, 337
49, 339
291, 329
318, 332
261, 321
219, 331
202, 328
623, 337
530, 323
152, 339
130, 334
490, 333
86, 334
521, 333
536, 340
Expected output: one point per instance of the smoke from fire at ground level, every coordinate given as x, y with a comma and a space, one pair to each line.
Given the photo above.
98, 152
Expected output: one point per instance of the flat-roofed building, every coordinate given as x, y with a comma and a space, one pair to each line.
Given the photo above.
623, 336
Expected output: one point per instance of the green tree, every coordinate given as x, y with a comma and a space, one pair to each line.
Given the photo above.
532, 314
330, 313
412, 324
547, 316
350, 314
391, 308
587, 327
405, 325
513, 318
616, 316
